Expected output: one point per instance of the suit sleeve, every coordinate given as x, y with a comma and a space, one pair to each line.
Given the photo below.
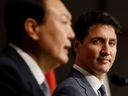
66, 91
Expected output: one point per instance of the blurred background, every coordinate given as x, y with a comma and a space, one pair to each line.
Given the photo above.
117, 8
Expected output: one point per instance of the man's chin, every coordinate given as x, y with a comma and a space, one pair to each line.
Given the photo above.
65, 60
61, 61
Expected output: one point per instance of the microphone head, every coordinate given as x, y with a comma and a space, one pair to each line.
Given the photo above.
118, 80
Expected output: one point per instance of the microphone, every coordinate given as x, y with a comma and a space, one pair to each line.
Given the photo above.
119, 80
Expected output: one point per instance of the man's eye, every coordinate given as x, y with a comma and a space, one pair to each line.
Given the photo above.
97, 42
64, 22
112, 44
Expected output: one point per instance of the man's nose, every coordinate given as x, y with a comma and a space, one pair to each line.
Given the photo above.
71, 33
105, 50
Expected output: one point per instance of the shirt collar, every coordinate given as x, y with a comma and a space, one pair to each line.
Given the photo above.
31, 63
93, 81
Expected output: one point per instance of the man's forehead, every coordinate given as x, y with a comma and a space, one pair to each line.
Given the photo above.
58, 7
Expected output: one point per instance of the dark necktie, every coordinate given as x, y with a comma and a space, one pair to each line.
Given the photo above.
102, 91
45, 88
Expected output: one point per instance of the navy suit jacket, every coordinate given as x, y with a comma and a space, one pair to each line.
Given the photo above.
74, 85
16, 78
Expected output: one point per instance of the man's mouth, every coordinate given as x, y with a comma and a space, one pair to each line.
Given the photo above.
104, 60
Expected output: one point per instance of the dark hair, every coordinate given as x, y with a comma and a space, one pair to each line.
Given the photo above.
17, 11
86, 20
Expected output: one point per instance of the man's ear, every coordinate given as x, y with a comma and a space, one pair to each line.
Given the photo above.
30, 27
76, 45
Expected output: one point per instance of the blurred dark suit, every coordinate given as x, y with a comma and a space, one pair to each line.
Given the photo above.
16, 78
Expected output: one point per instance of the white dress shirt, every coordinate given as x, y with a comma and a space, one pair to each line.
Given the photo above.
93, 81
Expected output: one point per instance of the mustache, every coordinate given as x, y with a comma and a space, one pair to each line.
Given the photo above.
104, 58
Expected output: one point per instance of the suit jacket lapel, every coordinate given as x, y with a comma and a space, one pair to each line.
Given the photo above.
82, 82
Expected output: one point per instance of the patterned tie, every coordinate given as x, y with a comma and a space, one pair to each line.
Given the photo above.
102, 91
45, 88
